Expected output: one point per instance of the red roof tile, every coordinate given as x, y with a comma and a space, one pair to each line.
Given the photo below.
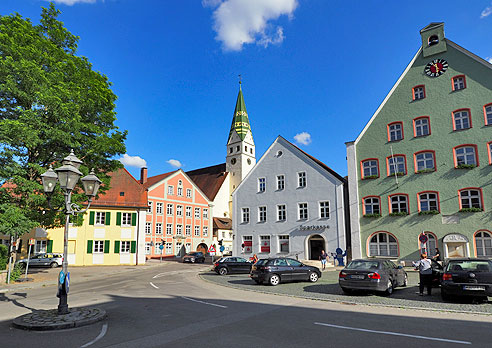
209, 179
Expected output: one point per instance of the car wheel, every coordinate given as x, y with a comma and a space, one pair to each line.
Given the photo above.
53, 265
223, 271
405, 281
346, 291
313, 277
274, 280
390, 289
445, 296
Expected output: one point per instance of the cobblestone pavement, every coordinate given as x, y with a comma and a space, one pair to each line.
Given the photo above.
50, 320
327, 289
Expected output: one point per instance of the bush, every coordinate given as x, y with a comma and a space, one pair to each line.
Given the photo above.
16, 273
4, 257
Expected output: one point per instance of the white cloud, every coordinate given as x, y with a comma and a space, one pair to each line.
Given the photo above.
133, 161
489, 59
174, 163
72, 2
486, 12
303, 138
239, 22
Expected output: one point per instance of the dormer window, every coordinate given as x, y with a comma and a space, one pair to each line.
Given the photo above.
433, 40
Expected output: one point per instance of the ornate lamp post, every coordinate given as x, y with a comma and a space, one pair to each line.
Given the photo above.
68, 175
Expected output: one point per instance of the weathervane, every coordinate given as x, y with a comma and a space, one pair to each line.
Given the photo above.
239, 78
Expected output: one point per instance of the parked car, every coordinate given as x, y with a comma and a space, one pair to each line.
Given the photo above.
372, 275
196, 256
277, 270
467, 277
43, 260
227, 265
437, 272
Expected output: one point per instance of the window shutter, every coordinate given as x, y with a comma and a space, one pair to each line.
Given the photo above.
91, 218
133, 247
89, 247
134, 219
108, 218
116, 246
118, 219
49, 247
106, 246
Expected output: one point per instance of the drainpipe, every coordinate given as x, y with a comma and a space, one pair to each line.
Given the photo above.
138, 239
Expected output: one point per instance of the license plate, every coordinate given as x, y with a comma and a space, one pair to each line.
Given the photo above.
357, 277
475, 288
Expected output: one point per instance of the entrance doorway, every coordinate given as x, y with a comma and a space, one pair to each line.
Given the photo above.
456, 249
203, 248
316, 243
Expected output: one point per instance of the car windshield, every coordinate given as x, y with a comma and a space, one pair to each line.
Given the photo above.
363, 264
193, 254
261, 262
469, 265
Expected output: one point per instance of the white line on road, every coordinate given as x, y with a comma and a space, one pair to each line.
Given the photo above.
101, 335
211, 304
393, 333
174, 272
153, 285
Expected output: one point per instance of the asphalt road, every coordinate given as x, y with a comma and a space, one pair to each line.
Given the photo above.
170, 305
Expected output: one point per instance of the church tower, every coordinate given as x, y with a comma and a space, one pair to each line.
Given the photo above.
240, 157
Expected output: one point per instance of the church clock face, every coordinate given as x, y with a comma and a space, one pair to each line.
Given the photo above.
436, 68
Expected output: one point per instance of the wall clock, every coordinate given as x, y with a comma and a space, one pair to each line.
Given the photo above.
436, 68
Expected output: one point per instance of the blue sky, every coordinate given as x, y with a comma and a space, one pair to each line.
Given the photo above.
313, 68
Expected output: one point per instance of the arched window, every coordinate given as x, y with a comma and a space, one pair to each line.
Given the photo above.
371, 205
459, 82
430, 246
483, 241
461, 119
433, 40
421, 126
383, 244
395, 131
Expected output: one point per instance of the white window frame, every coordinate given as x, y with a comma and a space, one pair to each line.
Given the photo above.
169, 229
398, 202
180, 192
245, 215
483, 241
280, 182
169, 209
179, 230
148, 248
197, 213
422, 126
488, 115
179, 210
188, 193
149, 210
148, 228
197, 231
462, 119
385, 248
301, 179
158, 228
98, 247
188, 211
205, 213
458, 83
159, 207
261, 184
40, 246
395, 131
465, 155
418, 93
125, 247
281, 240
368, 168
169, 248
324, 209
247, 249
371, 204
265, 239
281, 212
397, 164
262, 213
428, 201
188, 230
205, 231
157, 250
100, 218
126, 219
422, 160
170, 190
469, 199
302, 211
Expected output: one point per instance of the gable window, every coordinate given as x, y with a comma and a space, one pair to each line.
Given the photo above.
425, 161
303, 211
158, 228
169, 229
483, 241
262, 211
205, 213
170, 190
180, 191
370, 168
188, 212
169, 209
383, 244
150, 207
470, 198
421, 126
179, 210
100, 217
197, 213
418, 92
397, 165
280, 182
301, 179
459, 82
281, 212
465, 156
148, 227
188, 193
324, 210
395, 131
261, 184
372, 205
487, 110
428, 201
244, 215
399, 204
461, 119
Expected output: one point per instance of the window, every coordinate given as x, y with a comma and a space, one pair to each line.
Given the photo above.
98, 246
179, 230
264, 244
100, 217
158, 228
126, 219
398, 204
150, 207
148, 228
465, 156
371, 205
188, 247
188, 230
383, 244
418, 92
205, 213
148, 248
179, 210
487, 110
397, 165
395, 131
424, 161
205, 231
197, 213
433, 40
461, 120
244, 215
470, 198
303, 211
40, 246
483, 241
430, 246
262, 211
301, 179
421, 126
125, 246
247, 244
197, 231
324, 210
170, 190
169, 229
169, 209
261, 184
230, 150
158, 208
370, 168
180, 191
281, 212
459, 82
428, 201
489, 150
157, 249
169, 248
188, 212
280, 182
188, 193
283, 242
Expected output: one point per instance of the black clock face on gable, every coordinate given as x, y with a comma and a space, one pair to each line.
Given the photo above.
436, 68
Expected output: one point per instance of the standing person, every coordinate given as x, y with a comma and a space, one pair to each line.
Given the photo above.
255, 259
425, 272
323, 258
437, 257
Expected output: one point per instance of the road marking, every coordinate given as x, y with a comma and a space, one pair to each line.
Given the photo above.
393, 333
101, 335
211, 304
174, 272
153, 285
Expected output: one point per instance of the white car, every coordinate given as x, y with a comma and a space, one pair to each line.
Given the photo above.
43, 260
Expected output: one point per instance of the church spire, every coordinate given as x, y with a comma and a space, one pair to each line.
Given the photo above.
240, 120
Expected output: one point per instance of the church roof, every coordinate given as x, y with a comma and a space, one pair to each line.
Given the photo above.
432, 26
155, 179
209, 179
222, 223
240, 120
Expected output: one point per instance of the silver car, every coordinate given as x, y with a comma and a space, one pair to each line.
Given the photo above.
43, 260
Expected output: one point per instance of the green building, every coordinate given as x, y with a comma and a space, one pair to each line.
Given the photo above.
420, 173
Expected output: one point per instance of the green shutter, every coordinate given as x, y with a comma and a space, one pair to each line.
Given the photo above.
133, 247
49, 247
91, 218
108, 218
89, 247
134, 219
106, 246
116, 246
118, 219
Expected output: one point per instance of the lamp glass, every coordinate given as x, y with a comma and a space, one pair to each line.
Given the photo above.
49, 180
91, 184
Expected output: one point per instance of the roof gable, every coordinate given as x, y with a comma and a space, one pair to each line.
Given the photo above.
209, 179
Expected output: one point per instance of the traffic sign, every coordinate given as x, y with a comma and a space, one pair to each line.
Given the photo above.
61, 277
161, 246
32, 241
67, 282
222, 249
211, 249
423, 238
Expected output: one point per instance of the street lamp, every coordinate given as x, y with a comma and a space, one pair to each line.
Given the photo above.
68, 175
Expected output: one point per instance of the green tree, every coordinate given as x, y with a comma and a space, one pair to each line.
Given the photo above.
51, 101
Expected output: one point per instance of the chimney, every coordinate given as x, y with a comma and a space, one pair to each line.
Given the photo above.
143, 175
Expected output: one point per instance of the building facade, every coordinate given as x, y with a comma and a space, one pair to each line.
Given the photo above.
290, 204
420, 171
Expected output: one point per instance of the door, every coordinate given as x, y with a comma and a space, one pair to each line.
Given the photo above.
282, 268
299, 271
456, 249
316, 244
243, 265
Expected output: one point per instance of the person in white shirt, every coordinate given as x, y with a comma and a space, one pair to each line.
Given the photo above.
425, 271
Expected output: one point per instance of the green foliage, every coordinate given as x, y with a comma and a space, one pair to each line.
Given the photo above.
371, 177
373, 215
423, 171
399, 213
470, 210
465, 166
4, 257
51, 101
428, 212
13, 222
16, 273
